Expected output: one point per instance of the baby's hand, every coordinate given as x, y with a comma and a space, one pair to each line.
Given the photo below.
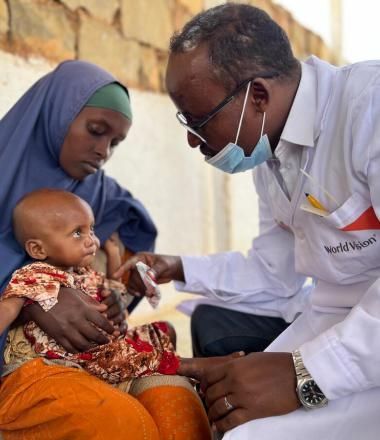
116, 308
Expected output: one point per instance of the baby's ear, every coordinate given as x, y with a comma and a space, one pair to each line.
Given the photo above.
35, 249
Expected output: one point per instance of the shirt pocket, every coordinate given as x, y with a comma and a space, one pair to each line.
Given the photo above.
343, 247
355, 214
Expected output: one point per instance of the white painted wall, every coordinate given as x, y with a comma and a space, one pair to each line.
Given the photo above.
157, 166
16, 76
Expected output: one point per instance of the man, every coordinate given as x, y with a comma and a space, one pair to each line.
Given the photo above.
310, 132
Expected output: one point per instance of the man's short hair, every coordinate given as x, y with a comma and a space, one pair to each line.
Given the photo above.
242, 42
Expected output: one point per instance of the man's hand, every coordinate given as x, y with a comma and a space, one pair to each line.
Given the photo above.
258, 385
72, 321
165, 268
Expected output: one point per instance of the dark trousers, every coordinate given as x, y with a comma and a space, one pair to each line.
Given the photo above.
134, 303
216, 331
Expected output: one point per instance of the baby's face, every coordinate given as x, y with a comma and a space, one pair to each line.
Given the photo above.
70, 240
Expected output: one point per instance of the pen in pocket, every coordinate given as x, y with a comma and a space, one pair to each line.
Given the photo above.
315, 203
328, 194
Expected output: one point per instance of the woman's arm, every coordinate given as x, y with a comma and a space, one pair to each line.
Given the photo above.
75, 322
9, 310
112, 250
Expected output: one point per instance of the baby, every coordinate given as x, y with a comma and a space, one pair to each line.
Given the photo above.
56, 229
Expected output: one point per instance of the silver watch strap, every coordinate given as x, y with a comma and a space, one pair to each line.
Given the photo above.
303, 376
300, 368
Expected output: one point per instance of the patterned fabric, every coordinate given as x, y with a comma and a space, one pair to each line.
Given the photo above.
145, 350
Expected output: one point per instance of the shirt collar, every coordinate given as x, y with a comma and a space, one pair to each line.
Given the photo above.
299, 127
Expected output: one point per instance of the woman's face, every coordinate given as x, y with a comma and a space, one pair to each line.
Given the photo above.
91, 139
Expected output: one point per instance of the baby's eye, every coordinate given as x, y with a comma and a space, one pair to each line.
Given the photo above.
77, 233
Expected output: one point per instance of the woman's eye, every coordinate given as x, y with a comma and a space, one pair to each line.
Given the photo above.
96, 130
77, 234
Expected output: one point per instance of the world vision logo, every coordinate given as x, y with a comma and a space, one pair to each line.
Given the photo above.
365, 222
350, 246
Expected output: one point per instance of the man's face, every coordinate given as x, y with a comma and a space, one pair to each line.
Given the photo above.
91, 139
196, 91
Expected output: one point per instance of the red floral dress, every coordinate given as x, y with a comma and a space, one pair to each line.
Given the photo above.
144, 350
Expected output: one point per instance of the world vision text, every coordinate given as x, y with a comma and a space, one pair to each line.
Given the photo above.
350, 246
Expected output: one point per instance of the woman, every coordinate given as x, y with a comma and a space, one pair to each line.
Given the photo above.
59, 135
48, 140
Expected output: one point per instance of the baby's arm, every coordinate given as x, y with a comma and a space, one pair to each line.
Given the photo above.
112, 250
9, 310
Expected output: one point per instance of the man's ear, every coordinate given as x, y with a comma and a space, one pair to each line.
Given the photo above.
260, 94
35, 249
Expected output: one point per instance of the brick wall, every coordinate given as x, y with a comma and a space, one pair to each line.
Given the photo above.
127, 37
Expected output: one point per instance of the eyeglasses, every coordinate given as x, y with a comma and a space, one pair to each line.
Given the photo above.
194, 126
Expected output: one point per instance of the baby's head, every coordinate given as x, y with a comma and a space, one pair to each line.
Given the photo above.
57, 227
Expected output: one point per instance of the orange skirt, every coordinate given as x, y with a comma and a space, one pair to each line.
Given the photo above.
40, 401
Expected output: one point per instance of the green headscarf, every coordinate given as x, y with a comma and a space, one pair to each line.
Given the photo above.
114, 97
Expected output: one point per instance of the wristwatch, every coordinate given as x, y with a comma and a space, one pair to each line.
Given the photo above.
309, 393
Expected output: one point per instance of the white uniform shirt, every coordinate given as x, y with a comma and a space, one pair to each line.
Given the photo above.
333, 133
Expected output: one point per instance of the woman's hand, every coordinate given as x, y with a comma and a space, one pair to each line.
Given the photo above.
257, 385
73, 321
165, 268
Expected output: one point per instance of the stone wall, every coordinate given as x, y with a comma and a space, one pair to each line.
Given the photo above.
127, 37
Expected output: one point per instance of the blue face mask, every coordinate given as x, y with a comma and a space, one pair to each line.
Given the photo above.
232, 158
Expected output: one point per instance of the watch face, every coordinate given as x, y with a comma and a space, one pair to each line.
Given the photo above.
310, 394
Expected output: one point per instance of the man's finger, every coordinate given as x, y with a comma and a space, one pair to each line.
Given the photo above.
134, 293
220, 407
128, 265
232, 420
216, 392
213, 375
